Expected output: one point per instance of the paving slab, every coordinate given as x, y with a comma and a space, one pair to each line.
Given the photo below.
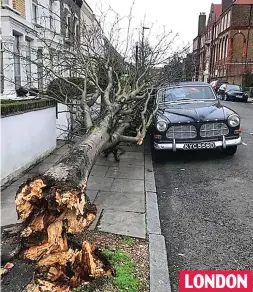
97, 183
62, 150
52, 159
123, 223
60, 143
41, 168
92, 195
132, 148
99, 170
8, 213
159, 273
8, 194
121, 201
106, 161
126, 172
22, 179
131, 162
127, 185
132, 155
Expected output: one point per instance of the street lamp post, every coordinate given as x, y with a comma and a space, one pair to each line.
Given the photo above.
142, 46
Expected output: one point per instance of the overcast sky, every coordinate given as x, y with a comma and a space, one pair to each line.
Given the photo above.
179, 15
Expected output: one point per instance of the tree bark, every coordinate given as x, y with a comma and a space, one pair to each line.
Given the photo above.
75, 168
54, 205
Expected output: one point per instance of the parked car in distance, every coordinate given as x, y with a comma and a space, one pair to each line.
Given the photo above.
232, 92
217, 84
191, 117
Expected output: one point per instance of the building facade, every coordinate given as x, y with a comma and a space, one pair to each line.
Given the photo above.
224, 50
34, 35
17, 37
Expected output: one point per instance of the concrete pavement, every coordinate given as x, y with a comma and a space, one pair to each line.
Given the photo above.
125, 195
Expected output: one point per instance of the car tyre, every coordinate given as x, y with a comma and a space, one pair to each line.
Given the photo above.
230, 150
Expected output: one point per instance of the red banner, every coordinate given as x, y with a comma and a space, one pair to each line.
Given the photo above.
211, 281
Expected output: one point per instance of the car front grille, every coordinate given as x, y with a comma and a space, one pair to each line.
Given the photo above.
213, 130
182, 132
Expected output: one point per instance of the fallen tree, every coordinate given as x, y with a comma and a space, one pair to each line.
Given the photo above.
113, 102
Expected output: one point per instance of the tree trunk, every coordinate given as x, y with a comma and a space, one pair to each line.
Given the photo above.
54, 205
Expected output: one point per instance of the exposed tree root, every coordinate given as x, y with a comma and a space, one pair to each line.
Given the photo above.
51, 211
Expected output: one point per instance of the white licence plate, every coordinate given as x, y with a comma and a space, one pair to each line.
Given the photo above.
196, 146
239, 96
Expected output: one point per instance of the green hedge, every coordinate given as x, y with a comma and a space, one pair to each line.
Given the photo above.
16, 106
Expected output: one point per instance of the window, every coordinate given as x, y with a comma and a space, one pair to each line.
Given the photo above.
68, 26
234, 87
226, 50
28, 63
17, 70
178, 94
40, 69
34, 12
229, 19
226, 21
76, 28
51, 18
2, 68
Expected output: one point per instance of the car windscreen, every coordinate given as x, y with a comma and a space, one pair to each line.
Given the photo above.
233, 87
185, 93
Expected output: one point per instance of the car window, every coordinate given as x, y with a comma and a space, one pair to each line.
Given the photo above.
185, 93
233, 87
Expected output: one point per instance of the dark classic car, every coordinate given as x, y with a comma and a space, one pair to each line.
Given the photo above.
232, 92
190, 117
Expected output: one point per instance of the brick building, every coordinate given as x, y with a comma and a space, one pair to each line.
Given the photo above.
223, 48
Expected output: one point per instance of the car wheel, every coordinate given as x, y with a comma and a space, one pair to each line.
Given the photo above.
226, 98
230, 150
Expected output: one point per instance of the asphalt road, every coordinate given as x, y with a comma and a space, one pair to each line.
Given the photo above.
206, 205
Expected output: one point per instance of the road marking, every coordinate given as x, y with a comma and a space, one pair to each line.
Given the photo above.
244, 144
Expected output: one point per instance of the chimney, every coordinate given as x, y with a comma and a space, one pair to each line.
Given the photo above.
202, 23
226, 4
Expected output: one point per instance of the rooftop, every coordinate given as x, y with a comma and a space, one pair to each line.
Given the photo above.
243, 2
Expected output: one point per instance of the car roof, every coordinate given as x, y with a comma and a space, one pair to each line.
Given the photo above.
185, 83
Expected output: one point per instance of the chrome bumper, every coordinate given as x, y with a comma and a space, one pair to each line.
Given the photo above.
218, 144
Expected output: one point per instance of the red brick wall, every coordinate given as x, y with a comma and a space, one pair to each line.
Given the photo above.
241, 16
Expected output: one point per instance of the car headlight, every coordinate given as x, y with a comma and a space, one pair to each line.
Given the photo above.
234, 120
161, 126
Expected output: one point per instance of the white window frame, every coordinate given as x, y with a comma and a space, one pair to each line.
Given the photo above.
29, 62
68, 21
34, 12
17, 61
